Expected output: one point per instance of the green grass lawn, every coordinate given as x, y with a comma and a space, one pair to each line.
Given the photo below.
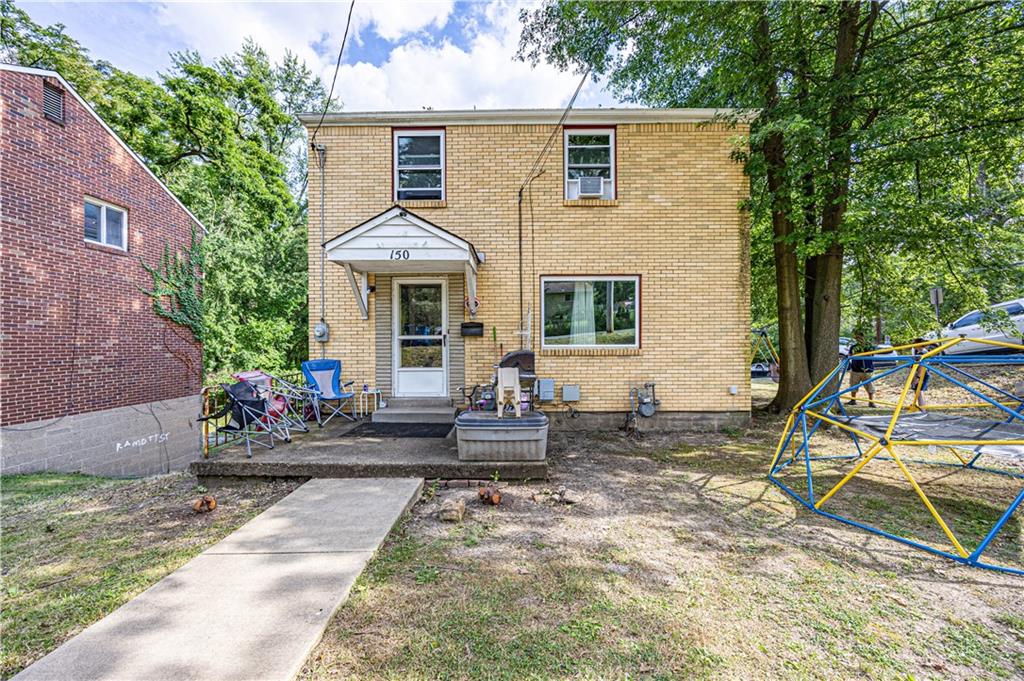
76, 547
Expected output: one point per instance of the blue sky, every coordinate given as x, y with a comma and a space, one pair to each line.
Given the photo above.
400, 55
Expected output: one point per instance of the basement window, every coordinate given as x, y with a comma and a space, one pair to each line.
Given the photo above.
53, 102
106, 224
419, 165
591, 312
590, 163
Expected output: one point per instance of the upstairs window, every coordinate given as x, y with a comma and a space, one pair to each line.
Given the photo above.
106, 224
588, 312
419, 165
53, 102
590, 163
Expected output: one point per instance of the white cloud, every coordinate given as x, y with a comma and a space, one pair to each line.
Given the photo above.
444, 76
394, 20
217, 28
421, 70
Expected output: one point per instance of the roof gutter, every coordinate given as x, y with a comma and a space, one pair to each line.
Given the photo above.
601, 116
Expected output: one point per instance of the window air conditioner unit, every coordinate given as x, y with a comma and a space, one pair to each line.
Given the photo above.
591, 187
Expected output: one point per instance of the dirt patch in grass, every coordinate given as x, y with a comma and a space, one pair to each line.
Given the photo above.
76, 547
679, 561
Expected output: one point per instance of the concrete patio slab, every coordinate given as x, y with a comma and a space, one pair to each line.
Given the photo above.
325, 453
250, 607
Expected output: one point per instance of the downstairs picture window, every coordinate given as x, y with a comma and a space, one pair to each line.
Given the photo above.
587, 312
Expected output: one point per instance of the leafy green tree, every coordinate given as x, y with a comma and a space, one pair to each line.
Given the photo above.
26, 43
857, 105
224, 137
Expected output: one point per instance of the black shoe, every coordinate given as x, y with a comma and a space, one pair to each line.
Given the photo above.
851, 403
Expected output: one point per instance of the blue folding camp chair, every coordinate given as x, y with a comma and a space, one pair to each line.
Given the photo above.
323, 379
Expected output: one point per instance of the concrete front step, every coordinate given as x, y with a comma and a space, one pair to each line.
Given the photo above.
393, 414
419, 402
215, 472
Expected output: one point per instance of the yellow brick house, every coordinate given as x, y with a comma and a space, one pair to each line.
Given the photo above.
614, 246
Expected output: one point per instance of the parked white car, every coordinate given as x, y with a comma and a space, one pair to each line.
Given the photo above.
970, 326
845, 343
882, 359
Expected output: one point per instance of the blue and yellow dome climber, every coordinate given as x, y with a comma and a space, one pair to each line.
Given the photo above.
827, 443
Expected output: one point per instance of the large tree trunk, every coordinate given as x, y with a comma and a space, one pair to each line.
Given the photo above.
828, 274
826, 309
794, 377
794, 380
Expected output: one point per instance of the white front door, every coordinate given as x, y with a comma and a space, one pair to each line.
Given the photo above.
420, 330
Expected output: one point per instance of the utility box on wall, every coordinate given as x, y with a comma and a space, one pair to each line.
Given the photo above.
571, 393
546, 389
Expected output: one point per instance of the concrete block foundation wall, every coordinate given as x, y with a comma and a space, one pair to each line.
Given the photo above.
137, 440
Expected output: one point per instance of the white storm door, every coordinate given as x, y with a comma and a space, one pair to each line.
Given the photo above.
420, 330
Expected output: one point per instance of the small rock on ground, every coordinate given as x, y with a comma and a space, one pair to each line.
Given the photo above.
452, 510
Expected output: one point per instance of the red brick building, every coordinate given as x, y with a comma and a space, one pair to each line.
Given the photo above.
93, 379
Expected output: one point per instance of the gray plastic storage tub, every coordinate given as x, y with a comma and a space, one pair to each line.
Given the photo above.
484, 437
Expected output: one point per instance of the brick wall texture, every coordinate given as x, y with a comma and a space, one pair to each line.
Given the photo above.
676, 222
79, 335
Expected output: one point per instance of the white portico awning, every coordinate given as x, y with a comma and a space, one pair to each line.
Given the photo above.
398, 241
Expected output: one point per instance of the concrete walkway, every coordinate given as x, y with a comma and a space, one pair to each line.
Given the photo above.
252, 606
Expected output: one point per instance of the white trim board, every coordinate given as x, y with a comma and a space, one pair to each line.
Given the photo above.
46, 73
601, 116
461, 250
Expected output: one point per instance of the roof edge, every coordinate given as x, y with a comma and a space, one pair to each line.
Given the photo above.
49, 73
402, 209
606, 116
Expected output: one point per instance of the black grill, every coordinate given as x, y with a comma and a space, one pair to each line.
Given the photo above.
523, 360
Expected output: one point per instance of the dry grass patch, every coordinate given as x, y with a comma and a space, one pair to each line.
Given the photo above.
681, 561
76, 547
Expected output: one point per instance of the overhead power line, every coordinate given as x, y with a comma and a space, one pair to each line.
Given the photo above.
539, 161
337, 67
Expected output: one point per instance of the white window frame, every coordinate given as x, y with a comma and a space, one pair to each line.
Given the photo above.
424, 132
610, 192
104, 205
635, 278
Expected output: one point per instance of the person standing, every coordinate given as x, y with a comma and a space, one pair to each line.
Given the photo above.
861, 370
922, 377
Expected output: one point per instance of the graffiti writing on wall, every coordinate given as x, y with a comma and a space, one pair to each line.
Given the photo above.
155, 438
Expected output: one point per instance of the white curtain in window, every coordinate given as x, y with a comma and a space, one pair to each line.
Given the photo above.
582, 330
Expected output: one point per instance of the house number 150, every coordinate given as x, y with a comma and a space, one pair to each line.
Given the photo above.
399, 254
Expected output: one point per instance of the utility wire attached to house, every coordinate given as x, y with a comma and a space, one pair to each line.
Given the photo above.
320, 330
536, 170
334, 80
542, 156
